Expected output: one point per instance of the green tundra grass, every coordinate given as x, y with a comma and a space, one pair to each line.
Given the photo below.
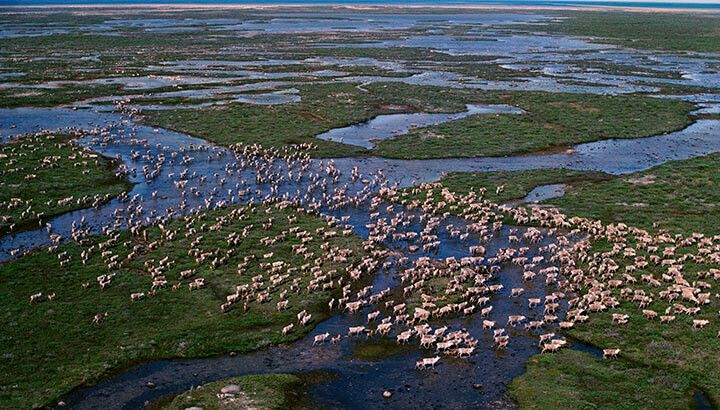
262, 391
681, 196
578, 380
40, 173
516, 184
552, 120
50, 347
648, 31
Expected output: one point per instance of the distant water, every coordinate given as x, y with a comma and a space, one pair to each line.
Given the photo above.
588, 3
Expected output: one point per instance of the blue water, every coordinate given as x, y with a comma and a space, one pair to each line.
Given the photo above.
668, 5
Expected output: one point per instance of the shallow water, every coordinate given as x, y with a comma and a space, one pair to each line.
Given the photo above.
299, 23
545, 192
392, 125
611, 156
547, 84
227, 91
193, 78
500, 44
277, 97
276, 23
551, 58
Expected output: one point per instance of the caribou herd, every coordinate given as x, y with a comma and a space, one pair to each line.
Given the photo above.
640, 276
16, 211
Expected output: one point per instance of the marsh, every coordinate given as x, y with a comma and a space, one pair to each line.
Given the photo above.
291, 206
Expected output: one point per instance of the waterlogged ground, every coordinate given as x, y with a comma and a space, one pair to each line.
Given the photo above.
359, 85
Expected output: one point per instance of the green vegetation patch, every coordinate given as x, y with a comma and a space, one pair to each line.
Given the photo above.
551, 120
674, 354
44, 176
656, 31
419, 54
577, 380
262, 391
682, 196
323, 107
515, 184
78, 331
52, 97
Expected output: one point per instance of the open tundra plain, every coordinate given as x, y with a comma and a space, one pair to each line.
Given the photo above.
359, 207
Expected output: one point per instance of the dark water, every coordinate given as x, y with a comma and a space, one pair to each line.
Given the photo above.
702, 401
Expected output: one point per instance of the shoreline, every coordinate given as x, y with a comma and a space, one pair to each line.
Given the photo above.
364, 7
